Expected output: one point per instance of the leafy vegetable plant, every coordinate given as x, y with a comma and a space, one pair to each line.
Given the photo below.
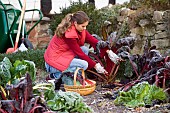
68, 102
140, 95
21, 99
12, 72
5, 74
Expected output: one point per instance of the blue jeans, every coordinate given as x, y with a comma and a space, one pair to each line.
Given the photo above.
76, 62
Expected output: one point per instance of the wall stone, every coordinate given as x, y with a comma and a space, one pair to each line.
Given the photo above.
161, 35
161, 43
144, 31
158, 16
39, 36
161, 27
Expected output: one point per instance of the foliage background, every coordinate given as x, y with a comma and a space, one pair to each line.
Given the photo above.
97, 17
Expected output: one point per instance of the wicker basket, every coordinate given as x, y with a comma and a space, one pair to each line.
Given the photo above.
87, 88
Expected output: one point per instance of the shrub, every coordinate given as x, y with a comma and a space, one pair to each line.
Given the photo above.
37, 56
97, 17
76, 6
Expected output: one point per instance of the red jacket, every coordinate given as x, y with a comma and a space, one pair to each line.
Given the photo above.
61, 51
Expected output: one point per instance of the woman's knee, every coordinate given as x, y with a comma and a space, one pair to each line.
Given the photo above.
85, 65
78, 63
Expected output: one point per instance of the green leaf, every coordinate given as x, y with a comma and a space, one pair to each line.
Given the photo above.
31, 68
140, 95
50, 102
5, 75
22, 67
69, 102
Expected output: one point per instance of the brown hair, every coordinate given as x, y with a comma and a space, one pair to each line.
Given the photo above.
80, 17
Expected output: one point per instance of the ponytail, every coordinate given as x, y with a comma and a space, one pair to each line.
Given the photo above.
64, 25
80, 17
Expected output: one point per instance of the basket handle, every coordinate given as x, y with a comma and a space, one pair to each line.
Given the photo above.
83, 75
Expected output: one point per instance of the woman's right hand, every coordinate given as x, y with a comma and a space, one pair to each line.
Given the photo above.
100, 69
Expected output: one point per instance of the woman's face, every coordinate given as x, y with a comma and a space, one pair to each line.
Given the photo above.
81, 27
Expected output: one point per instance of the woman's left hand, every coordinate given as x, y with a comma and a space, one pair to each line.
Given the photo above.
113, 57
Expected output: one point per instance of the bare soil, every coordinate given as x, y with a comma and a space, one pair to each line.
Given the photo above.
101, 101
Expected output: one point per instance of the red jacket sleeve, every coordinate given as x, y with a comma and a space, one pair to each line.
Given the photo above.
91, 40
74, 46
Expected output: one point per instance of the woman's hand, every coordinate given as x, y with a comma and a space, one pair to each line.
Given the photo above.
113, 57
100, 69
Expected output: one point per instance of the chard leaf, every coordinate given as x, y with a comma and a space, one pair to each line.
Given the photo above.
21, 67
31, 68
7, 62
69, 102
5, 74
51, 102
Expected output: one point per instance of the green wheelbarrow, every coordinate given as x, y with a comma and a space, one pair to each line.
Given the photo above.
9, 20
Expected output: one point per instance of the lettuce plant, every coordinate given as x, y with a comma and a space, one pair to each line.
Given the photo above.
140, 95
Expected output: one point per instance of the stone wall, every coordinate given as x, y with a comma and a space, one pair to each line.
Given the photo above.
156, 29
162, 34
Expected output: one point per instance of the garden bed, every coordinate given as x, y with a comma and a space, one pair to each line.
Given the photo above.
102, 104
101, 100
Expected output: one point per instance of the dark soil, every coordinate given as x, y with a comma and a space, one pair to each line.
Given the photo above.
101, 100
